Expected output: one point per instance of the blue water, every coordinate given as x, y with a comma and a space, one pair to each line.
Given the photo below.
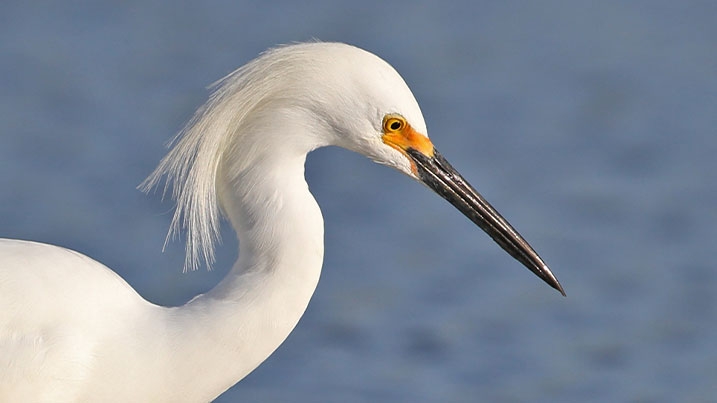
592, 126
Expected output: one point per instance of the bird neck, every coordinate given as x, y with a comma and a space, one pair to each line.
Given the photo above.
224, 334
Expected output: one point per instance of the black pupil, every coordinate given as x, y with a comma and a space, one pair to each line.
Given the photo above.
395, 125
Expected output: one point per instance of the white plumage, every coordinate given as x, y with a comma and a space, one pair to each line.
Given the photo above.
73, 330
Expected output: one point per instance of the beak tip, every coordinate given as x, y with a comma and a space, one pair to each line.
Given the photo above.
552, 281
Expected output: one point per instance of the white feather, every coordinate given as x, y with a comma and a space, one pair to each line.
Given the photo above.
326, 81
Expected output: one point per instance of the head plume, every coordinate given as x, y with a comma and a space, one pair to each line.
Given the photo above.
325, 80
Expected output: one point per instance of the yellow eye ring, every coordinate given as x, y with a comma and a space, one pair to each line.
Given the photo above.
393, 123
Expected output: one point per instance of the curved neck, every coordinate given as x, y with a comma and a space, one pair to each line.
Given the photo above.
219, 337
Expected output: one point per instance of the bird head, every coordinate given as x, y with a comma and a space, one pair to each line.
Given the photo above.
365, 106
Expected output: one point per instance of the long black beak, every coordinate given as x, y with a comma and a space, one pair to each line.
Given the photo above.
440, 176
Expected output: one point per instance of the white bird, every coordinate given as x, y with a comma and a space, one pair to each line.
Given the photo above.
73, 330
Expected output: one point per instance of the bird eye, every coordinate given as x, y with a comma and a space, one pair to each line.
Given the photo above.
393, 123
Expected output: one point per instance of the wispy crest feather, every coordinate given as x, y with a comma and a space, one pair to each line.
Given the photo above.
192, 163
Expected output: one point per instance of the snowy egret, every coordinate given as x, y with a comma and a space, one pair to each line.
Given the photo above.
73, 330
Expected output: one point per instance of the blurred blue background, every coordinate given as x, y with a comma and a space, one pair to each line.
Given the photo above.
590, 125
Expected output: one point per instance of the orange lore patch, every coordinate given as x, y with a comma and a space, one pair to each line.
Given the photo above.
404, 138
